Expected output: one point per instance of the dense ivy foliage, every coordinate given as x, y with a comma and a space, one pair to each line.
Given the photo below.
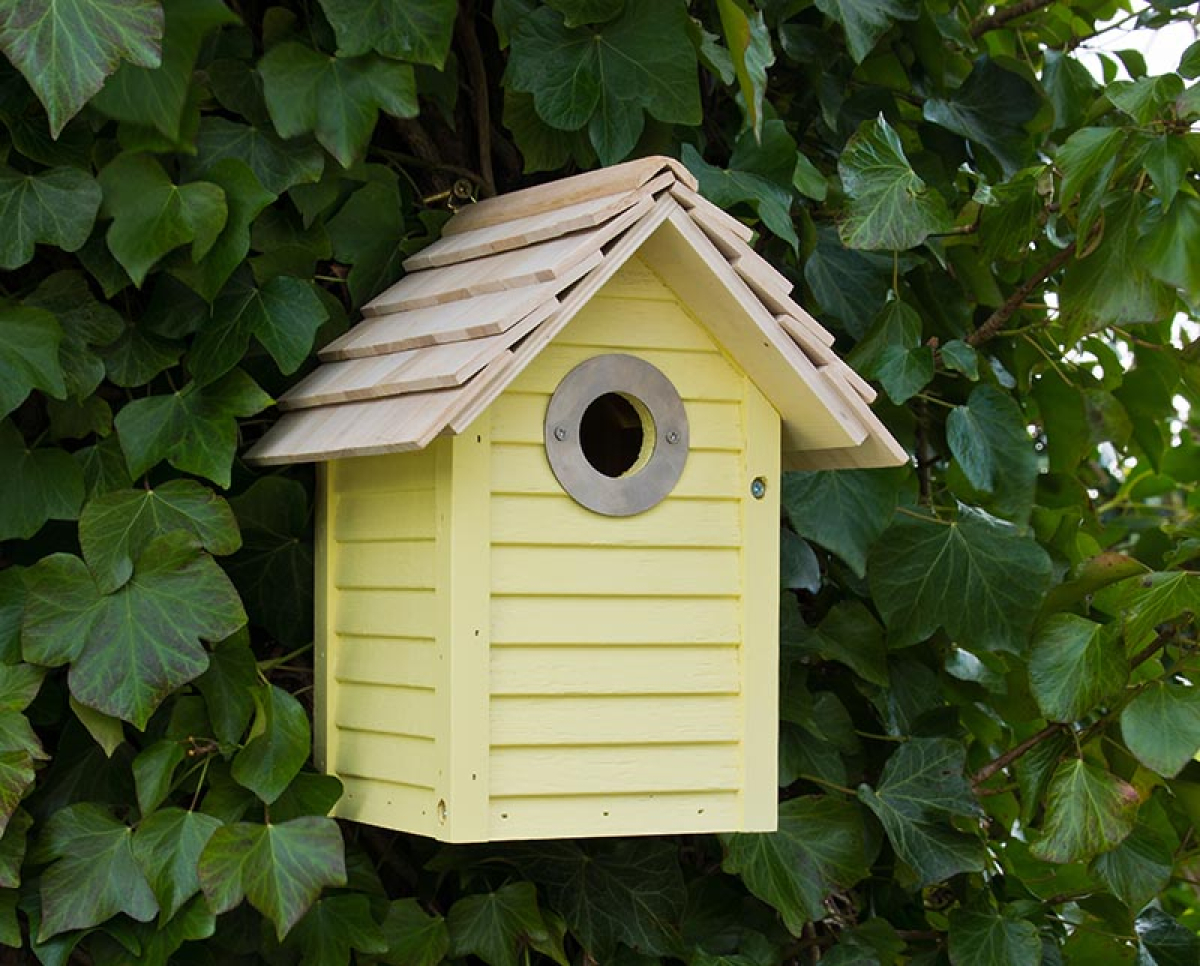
989, 657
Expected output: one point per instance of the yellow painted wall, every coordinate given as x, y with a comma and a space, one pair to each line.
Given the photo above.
620, 684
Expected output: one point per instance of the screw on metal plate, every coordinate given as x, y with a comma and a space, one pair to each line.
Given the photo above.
560, 433
672, 437
758, 488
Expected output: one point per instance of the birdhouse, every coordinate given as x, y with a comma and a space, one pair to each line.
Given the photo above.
548, 520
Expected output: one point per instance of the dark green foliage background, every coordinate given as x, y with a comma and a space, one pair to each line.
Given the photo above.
989, 717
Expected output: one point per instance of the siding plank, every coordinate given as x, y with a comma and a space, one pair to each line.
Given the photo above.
597, 571
641, 669
646, 814
614, 719
400, 758
391, 710
559, 520
406, 564
593, 771
384, 516
386, 613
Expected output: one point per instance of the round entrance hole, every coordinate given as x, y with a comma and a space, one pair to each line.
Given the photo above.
616, 434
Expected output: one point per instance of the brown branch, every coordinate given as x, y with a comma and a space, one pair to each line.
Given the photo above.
473, 55
1006, 759
997, 320
1005, 14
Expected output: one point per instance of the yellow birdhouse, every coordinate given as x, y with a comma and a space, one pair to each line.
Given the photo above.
547, 544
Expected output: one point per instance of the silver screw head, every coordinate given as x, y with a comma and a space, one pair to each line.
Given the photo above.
672, 437
560, 433
758, 488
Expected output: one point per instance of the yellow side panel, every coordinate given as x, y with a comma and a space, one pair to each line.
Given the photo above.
379, 670
622, 648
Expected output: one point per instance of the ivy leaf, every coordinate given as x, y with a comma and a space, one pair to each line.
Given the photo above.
624, 891
1171, 247
116, 527
95, 875
890, 206
1161, 726
991, 108
413, 937
977, 577
108, 732
1138, 869
284, 315
280, 868
277, 164
843, 511
194, 429
56, 207
85, 323
961, 357
273, 572
988, 438
333, 929
605, 76
416, 30
986, 939
245, 198
336, 98
36, 485
577, 12
849, 285
278, 746
153, 95
12, 849
130, 649
151, 215
749, 43
818, 849
227, 687
65, 48
29, 347
922, 784
1075, 666
1088, 811
153, 769
495, 926
1153, 599
905, 372
368, 234
167, 847
865, 21
1165, 941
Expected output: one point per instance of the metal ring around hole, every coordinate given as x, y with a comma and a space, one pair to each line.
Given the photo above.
646, 485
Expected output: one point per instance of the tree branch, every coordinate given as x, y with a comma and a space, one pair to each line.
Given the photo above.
997, 320
1006, 759
473, 55
1005, 14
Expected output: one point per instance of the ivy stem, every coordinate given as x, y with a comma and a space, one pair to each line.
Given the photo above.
272, 663
1003, 16
826, 784
1003, 761
996, 321
473, 55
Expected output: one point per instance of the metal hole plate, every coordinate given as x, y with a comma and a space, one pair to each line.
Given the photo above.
649, 483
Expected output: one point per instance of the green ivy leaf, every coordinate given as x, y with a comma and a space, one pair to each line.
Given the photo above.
167, 847
818, 849
115, 528
138, 356
977, 577
960, 357
988, 438
153, 770
578, 12
151, 215
227, 687
921, 786
1088, 811
890, 206
1075, 666
605, 76
496, 926
368, 234
991, 108
865, 21
338, 99
1138, 869
108, 732
416, 30
849, 285
36, 485
413, 937
95, 875
284, 315
194, 429
986, 939
1171, 247
280, 869
1161, 726
905, 372
625, 891
1147, 601
85, 323
273, 570
29, 348
749, 43
65, 48
843, 511
333, 929
130, 649
1164, 941
12, 849
245, 198
153, 95
278, 747
277, 164
56, 207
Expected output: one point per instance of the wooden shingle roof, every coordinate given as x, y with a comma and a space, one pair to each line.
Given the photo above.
509, 273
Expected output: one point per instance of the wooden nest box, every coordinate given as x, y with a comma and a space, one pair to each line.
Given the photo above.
547, 544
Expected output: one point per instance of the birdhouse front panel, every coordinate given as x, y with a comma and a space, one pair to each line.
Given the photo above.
547, 568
